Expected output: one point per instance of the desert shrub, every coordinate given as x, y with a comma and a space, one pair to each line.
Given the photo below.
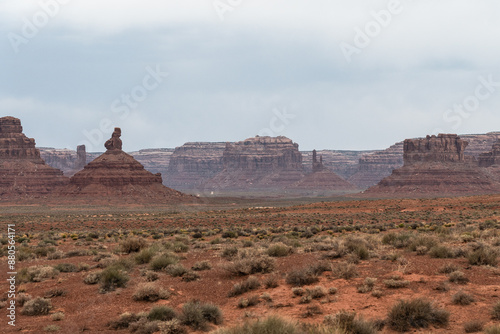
150, 292
415, 313
348, 323
357, 246
190, 276
145, 255
316, 292
493, 330
397, 240
202, 265
251, 283
271, 282
161, 313
133, 244
196, 315
173, 326
22, 298
51, 328
495, 313
56, 292
320, 267
301, 277
77, 252
229, 252
396, 283
448, 268
279, 249
55, 255
298, 291
37, 306
345, 270
458, 277
269, 325
483, 256
113, 277
162, 261
66, 267
441, 252
36, 274
143, 326
423, 241
124, 321
473, 326
93, 277
462, 298
247, 302
367, 285
176, 270
250, 265
58, 316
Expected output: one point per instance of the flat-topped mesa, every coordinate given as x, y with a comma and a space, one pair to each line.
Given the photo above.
263, 154
441, 148
14, 144
490, 158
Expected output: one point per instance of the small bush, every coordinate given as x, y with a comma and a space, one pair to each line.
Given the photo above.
162, 261
124, 321
251, 301
58, 316
473, 326
441, 252
251, 283
202, 265
316, 292
271, 282
173, 326
145, 255
250, 265
176, 270
66, 267
190, 276
269, 325
492, 330
93, 277
150, 292
462, 298
347, 323
36, 274
345, 270
416, 313
279, 249
37, 306
448, 268
484, 256
161, 313
301, 277
51, 328
396, 283
133, 244
112, 278
458, 277
196, 315
495, 313
229, 252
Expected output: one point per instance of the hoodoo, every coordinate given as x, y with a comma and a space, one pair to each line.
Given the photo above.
22, 171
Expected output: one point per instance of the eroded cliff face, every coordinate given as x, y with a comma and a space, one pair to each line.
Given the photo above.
441, 148
436, 165
492, 157
22, 171
194, 163
267, 163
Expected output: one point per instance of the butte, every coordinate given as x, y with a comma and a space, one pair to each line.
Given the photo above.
116, 176
23, 173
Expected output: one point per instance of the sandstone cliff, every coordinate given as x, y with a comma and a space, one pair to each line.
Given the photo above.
259, 163
436, 165
194, 163
22, 171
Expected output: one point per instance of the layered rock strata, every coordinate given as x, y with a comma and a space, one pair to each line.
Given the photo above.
22, 170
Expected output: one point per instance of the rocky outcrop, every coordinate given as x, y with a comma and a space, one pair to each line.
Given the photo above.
491, 158
259, 163
436, 166
441, 148
321, 181
155, 160
68, 161
22, 170
117, 176
194, 163
375, 166
342, 163
479, 143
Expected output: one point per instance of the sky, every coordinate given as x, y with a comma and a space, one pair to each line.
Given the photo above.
328, 74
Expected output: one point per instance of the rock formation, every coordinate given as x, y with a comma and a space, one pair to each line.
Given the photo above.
436, 166
375, 166
490, 158
117, 176
322, 181
259, 163
342, 163
194, 163
22, 171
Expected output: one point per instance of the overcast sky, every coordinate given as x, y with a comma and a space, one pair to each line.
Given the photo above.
329, 74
